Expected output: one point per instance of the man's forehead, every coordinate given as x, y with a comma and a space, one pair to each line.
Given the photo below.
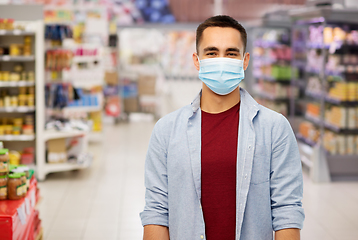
221, 36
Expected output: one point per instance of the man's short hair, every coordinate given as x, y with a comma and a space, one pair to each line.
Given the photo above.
220, 21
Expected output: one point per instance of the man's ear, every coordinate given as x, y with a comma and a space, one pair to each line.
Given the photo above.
246, 60
196, 61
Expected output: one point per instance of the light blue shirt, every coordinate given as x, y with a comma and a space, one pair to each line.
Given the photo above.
269, 182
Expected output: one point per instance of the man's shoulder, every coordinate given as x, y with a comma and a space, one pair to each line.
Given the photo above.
178, 116
270, 117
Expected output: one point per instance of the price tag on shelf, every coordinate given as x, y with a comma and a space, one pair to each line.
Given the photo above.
27, 206
17, 32
33, 198
2, 32
22, 215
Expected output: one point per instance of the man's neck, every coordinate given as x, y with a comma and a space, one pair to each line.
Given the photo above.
214, 103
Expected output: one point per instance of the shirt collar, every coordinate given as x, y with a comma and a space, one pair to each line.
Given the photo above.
246, 100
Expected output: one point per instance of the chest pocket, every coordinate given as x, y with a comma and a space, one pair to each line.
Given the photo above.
261, 165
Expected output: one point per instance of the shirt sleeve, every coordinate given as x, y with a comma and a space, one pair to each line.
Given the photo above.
156, 182
286, 178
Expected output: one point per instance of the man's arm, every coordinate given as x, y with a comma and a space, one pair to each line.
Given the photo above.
155, 232
288, 234
286, 183
155, 216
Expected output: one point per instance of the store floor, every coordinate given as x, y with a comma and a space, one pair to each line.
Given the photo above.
104, 201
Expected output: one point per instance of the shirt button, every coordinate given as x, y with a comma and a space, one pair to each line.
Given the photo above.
202, 236
249, 147
245, 176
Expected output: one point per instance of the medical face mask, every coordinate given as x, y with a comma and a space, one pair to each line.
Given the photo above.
221, 75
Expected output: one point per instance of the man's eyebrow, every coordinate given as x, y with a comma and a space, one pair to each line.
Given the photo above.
233, 50
211, 49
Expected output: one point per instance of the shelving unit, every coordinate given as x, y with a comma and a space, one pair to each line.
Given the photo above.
271, 65
319, 56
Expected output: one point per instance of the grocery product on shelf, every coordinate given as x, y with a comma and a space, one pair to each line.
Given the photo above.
4, 161
15, 126
15, 49
272, 68
325, 51
15, 186
3, 187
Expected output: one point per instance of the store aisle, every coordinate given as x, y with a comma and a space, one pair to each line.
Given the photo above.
103, 202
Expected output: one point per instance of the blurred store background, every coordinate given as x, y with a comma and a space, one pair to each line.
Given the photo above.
82, 83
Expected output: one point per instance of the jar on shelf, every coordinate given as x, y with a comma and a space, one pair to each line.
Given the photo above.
9, 24
23, 76
14, 158
26, 170
5, 76
31, 76
2, 24
18, 121
14, 187
4, 161
27, 50
24, 184
3, 187
28, 129
14, 76
15, 49
8, 129
30, 100
7, 101
16, 130
22, 100
2, 130
14, 101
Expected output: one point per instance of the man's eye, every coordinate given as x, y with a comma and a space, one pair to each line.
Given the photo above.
232, 54
211, 54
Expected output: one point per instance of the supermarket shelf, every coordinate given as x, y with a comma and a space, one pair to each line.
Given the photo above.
317, 45
83, 109
23, 109
300, 83
17, 138
269, 97
299, 63
270, 44
312, 119
87, 84
52, 134
86, 58
272, 79
21, 83
16, 32
339, 102
305, 140
315, 95
330, 126
7, 58
331, 100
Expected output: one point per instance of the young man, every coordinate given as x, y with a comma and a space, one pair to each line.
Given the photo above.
223, 167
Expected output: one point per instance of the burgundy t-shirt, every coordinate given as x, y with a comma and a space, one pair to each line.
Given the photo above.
219, 135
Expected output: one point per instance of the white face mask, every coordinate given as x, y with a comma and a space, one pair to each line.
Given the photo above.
221, 75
